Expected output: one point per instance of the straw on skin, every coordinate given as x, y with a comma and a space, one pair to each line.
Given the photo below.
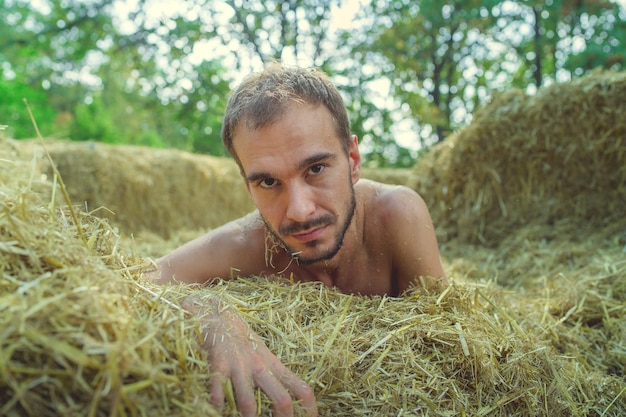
357, 236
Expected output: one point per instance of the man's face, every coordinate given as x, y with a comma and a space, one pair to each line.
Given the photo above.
301, 180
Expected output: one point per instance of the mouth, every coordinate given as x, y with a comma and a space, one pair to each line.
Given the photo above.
309, 235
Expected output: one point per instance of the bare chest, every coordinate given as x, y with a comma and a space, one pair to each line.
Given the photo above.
366, 276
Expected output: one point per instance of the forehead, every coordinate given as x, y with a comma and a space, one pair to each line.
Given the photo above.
303, 130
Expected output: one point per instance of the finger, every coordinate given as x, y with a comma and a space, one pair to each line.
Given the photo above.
282, 403
301, 391
216, 390
244, 395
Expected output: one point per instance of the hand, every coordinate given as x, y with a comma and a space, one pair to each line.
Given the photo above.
238, 354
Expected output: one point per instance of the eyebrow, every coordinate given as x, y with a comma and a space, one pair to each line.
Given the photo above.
311, 160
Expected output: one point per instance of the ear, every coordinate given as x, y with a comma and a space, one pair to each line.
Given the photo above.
354, 158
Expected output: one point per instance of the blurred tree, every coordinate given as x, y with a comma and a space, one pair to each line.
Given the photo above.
371, 106
39, 48
157, 73
436, 58
445, 58
280, 30
598, 39
121, 77
173, 71
13, 111
555, 40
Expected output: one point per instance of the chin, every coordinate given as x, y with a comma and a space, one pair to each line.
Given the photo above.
318, 256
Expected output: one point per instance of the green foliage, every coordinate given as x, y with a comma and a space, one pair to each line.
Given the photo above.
562, 38
160, 76
293, 30
14, 113
95, 122
135, 87
431, 45
606, 46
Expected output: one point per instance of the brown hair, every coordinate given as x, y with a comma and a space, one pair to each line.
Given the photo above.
262, 98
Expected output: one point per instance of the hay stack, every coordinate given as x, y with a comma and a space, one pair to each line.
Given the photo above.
81, 334
141, 189
460, 353
78, 337
557, 156
580, 284
395, 176
532, 196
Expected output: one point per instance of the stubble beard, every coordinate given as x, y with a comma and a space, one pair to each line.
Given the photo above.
324, 220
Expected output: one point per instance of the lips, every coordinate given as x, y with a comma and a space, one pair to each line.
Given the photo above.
309, 235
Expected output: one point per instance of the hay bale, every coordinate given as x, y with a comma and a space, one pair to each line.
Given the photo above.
394, 176
531, 196
581, 284
459, 353
559, 154
78, 335
82, 334
142, 189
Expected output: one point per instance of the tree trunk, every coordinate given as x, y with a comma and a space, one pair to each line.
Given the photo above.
537, 28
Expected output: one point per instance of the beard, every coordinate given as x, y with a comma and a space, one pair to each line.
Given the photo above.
320, 221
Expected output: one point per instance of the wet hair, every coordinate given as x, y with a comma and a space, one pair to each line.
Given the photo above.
263, 98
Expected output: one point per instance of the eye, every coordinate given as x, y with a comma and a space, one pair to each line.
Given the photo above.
316, 169
268, 183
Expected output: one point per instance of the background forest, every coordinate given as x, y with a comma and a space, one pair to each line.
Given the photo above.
158, 72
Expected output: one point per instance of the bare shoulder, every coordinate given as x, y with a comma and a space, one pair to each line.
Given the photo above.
398, 218
247, 228
392, 203
240, 234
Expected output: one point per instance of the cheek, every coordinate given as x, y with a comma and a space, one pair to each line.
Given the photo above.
268, 206
340, 186
334, 198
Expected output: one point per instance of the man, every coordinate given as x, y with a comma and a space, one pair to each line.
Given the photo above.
288, 130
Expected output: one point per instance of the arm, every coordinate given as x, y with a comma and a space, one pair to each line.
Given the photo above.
235, 248
235, 353
416, 259
238, 354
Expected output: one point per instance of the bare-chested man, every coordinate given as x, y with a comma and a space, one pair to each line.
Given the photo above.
288, 130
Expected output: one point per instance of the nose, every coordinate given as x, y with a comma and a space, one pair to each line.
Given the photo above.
300, 203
